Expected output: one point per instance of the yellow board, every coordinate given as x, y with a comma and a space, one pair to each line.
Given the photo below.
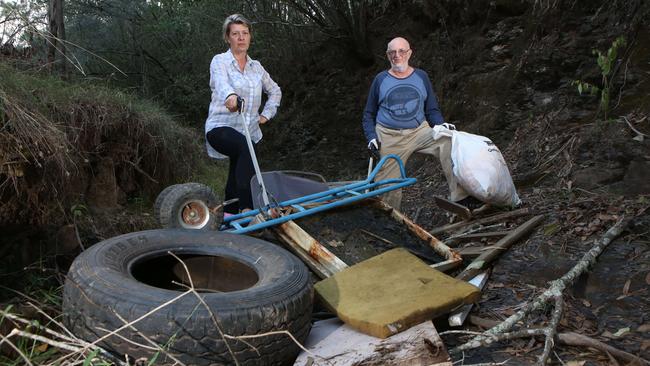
392, 292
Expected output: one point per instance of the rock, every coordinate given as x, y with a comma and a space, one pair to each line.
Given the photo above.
636, 178
596, 176
67, 240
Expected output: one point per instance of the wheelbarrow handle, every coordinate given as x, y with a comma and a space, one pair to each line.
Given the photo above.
240, 104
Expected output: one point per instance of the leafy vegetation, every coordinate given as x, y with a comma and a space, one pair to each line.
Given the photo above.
606, 63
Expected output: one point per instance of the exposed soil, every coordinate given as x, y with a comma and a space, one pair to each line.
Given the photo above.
506, 71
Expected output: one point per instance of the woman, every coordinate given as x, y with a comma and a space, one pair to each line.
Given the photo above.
234, 74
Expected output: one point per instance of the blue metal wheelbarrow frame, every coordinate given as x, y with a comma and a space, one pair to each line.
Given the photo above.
243, 223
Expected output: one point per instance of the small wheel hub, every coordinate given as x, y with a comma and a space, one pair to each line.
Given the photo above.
194, 215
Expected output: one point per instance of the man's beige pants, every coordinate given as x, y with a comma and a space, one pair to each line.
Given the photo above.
404, 143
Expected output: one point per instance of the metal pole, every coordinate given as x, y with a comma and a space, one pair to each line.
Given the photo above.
251, 150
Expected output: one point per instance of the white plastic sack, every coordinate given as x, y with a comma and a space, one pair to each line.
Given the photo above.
481, 169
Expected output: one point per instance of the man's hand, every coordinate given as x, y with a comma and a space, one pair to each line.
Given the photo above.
448, 126
263, 119
231, 103
373, 148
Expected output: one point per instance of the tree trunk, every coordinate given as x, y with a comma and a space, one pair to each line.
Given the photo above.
56, 36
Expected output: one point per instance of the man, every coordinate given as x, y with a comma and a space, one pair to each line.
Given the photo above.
398, 119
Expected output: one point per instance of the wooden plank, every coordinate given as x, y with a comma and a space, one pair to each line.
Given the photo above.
457, 318
479, 236
323, 262
501, 246
333, 343
453, 207
453, 259
473, 252
481, 221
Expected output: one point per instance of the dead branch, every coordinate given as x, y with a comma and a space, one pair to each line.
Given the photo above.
551, 330
575, 339
484, 220
632, 127
42, 339
554, 291
502, 245
571, 339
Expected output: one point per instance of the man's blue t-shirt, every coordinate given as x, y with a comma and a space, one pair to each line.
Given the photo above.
400, 103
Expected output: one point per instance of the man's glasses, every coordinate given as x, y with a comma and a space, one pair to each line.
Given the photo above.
400, 51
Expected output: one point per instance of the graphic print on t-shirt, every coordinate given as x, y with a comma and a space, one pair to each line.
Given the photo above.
402, 102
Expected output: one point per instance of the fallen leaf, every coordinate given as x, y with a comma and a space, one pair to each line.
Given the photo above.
335, 243
626, 288
551, 229
586, 303
621, 331
647, 279
606, 217
42, 348
576, 363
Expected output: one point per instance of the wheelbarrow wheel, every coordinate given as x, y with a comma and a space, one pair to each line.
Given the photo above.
244, 286
188, 206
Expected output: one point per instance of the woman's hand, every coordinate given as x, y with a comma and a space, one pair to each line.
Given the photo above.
231, 103
263, 119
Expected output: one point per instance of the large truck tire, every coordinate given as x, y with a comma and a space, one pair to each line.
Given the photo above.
188, 206
250, 287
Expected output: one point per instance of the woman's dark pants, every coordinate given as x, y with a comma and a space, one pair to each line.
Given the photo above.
231, 143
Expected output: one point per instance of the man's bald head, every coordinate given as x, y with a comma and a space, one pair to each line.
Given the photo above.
397, 43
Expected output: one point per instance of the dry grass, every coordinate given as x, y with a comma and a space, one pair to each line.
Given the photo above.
54, 134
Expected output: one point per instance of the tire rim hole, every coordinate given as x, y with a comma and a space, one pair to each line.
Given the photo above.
208, 273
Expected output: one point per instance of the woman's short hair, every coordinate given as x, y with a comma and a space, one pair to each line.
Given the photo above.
234, 19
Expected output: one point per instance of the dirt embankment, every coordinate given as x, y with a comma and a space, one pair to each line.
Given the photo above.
507, 70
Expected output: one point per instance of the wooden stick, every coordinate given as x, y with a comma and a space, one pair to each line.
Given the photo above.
575, 339
502, 245
551, 330
470, 237
473, 252
319, 259
484, 220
